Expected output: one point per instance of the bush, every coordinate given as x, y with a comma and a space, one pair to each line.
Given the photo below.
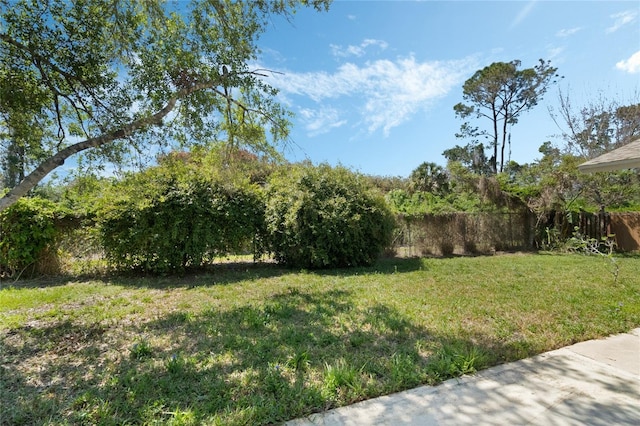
27, 232
419, 203
166, 221
322, 217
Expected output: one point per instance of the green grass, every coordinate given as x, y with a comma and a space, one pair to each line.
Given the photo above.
258, 344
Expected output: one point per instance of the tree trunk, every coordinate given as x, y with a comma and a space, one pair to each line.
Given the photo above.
58, 159
504, 143
494, 161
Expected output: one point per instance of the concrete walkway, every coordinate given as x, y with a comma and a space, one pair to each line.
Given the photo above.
590, 383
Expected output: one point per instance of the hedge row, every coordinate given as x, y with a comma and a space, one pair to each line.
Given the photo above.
169, 219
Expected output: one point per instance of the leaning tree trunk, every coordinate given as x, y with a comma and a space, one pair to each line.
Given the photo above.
58, 159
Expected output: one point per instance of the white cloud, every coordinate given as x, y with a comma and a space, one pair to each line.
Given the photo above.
319, 121
566, 32
554, 53
384, 93
622, 19
631, 65
360, 50
524, 12
274, 55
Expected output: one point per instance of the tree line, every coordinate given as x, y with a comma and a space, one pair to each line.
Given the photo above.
101, 78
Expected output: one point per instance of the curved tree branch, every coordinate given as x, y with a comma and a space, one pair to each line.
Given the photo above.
58, 159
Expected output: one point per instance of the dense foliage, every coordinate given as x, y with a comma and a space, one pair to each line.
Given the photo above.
419, 203
429, 177
100, 77
26, 230
320, 217
168, 219
554, 183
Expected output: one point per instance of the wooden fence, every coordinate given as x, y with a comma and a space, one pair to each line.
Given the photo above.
623, 228
595, 225
459, 233
479, 233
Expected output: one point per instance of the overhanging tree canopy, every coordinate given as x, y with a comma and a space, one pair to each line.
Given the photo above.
110, 76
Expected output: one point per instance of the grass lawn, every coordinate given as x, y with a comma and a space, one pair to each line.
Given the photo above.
258, 344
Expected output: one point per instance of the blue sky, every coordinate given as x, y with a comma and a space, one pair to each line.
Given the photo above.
373, 83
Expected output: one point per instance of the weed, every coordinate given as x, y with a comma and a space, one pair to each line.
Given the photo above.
405, 371
273, 381
141, 349
341, 377
175, 364
299, 361
182, 418
454, 360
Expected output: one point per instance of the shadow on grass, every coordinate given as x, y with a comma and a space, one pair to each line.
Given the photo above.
216, 274
296, 353
551, 392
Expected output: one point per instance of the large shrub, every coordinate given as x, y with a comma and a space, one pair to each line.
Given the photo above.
320, 217
27, 230
166, 220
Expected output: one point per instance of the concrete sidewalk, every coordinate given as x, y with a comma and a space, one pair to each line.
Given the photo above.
590, 383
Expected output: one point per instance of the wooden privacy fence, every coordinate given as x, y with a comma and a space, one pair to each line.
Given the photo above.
459, 233
623, 227
595, 225
626, 228
478, 233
